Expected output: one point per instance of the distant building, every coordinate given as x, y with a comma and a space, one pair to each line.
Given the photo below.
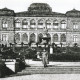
29, 25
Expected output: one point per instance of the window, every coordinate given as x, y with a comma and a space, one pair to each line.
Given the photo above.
55, 38
5, 25
24, 37
17, 37
75, 26
32, 37
75, 38
40, 37
33, 24
4, 37
17, 24
63, 38
63, 24
55, 25
25, 24
48, 24
40, 24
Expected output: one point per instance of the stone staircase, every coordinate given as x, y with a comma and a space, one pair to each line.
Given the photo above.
51, 70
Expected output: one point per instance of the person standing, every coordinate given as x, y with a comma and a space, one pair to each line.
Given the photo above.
45, 58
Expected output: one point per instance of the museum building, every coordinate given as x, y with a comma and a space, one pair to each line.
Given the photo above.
30, 25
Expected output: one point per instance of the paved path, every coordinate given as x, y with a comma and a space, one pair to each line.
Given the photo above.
45, 77
39, 63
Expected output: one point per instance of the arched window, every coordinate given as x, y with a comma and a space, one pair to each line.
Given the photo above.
63, 24
55, 38
17, 37
5, 24
48, 24
32, 24
25, 23
75, 25
40, 23
17, 23
24, 38
32, 37
63, 38
55, 24
40, 37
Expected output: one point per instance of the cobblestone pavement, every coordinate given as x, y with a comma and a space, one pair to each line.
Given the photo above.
45, 77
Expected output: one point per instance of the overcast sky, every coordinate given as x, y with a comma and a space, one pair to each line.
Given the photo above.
57, 5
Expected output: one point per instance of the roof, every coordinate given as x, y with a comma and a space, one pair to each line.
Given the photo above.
73, 13
38, 10
6, 12
39, 7
37, 14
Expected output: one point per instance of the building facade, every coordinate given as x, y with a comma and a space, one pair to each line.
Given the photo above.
29, 25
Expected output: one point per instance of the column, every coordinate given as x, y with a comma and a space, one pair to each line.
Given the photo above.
20, 37
51, 25
29, 25
21, 25
51, 38
36, 23
59, 38
59, 26
36, 37
28, 37
44, 24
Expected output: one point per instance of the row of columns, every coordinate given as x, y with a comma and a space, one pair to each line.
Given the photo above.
36, 36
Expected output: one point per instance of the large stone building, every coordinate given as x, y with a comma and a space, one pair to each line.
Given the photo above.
29, 25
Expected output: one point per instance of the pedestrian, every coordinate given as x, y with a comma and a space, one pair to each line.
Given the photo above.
45, 58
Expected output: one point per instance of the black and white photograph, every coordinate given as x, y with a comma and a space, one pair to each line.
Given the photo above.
39, 39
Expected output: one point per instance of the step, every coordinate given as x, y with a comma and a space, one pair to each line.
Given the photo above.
51, 70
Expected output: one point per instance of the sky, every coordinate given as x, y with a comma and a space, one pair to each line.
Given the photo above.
61, 6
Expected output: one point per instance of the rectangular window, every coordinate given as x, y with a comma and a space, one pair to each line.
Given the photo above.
32, 23
5, 25
40, 23
25, 26
63, 26
48, 25
75, 26
33, 26
75, 39
4, 37
17, 25
55, 25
